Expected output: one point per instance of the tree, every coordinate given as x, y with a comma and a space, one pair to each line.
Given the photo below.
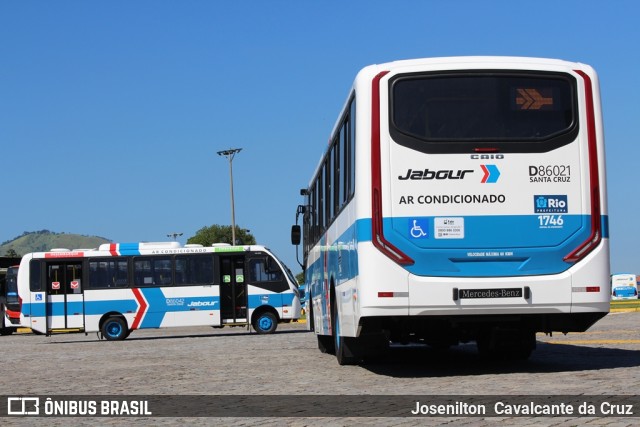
207, 236
11, 253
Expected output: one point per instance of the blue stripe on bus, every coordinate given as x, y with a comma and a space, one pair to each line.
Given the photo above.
496, 231
158, 306
482, 251
274, 300
33, 309
129, 248
92, 308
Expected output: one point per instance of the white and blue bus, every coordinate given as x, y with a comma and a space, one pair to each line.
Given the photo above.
459, 199
624, 286
118, 288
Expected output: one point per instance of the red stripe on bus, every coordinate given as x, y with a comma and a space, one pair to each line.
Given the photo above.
141, 311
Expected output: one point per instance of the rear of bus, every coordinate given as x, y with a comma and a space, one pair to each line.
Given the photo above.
488, 194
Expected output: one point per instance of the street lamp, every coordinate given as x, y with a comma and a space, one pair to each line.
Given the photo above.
174, 236
230, 154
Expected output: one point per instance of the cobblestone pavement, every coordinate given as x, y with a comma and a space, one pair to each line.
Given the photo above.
231, 361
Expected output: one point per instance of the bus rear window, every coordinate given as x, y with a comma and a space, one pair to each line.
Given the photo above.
429, 111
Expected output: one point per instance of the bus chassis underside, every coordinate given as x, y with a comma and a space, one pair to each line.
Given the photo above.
511, 337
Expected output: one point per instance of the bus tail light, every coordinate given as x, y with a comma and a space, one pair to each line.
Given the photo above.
391, 294
594, 182
587, 289
377, 235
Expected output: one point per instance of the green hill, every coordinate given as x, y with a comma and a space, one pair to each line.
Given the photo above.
45, 240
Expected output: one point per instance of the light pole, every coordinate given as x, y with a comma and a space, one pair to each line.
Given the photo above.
174, 236
230, 154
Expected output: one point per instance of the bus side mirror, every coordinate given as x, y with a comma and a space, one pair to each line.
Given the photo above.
295, 235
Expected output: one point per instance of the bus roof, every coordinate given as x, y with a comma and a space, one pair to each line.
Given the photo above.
146, 248
478, 61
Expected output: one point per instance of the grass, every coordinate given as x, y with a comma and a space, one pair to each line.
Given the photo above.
629, 304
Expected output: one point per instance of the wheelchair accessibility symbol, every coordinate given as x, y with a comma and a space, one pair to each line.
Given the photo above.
418, 229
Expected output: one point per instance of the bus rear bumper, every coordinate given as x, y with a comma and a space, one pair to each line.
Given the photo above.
469, 327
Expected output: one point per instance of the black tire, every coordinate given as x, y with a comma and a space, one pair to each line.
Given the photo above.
265, 323
4, 330
115, 329
524, 347
346, 348
325, 344
494, 345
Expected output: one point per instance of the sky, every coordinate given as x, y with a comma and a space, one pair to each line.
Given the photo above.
111, 113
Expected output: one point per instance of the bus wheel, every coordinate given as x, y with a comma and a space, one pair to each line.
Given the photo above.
325, 344
346, 347
265, 323
3, 329
114, 329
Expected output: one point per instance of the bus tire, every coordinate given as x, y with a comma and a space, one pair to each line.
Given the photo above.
507, 345
325, 344
3, 329
265, 323
347, 349
114, 328
524, 346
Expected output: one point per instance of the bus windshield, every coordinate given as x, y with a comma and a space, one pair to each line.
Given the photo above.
12, 287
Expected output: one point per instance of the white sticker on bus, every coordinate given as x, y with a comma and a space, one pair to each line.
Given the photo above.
448, 228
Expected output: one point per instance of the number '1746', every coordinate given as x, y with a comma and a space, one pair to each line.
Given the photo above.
550, 220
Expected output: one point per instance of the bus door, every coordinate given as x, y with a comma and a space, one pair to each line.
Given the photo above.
233, 290
65, 300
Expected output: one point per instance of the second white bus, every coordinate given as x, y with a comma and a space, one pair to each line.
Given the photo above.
118, 288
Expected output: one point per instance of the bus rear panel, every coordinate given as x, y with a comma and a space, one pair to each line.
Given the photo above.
479, 212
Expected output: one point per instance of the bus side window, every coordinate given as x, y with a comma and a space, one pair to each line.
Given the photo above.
142, 272
108, 273
35, 282
194, 270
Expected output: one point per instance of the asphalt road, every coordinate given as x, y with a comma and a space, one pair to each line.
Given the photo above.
241, 369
